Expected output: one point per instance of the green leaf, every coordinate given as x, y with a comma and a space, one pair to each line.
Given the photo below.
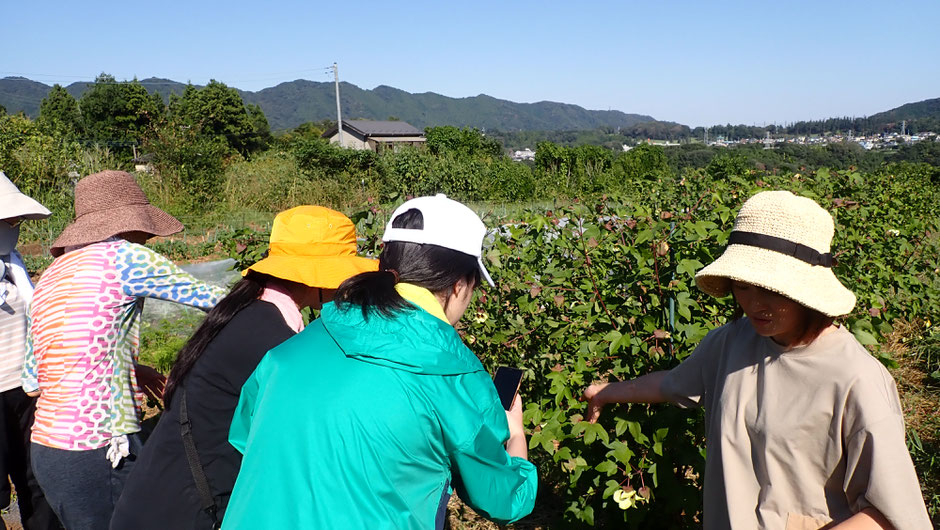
865, 337
587, 515
636, 432
621, 426
689, 266
622, 453
607, 467
643, 237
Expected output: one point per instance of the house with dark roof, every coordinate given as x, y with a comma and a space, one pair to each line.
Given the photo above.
375, 135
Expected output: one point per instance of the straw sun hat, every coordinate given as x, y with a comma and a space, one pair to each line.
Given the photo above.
13, 203
110, 203
781, 242
315, 246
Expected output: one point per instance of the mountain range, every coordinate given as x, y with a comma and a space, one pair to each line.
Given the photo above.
290, 104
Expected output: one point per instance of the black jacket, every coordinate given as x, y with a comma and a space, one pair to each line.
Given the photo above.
160, 492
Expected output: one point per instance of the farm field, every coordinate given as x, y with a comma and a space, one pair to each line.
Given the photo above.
603, 288
593, 254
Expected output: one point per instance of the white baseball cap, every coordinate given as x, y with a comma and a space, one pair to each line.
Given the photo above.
447, 223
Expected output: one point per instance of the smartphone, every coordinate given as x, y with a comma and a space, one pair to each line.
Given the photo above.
507, 381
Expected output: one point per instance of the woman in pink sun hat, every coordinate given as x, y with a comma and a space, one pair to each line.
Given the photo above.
81, 358
804, 427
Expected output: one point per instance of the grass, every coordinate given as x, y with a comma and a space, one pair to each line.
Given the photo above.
916, 348
160, 341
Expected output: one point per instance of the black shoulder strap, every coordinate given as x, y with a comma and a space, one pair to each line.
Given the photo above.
199, 475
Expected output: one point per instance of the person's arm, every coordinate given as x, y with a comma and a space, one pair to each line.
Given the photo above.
145, 273
867, 519
645, 389
29, 377
150, 381
488, 477
245, 411
517, 445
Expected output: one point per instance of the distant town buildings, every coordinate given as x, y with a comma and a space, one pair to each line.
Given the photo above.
877, 141
525, 154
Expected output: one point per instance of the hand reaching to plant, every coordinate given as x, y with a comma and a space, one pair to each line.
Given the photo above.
644, 389
594, 395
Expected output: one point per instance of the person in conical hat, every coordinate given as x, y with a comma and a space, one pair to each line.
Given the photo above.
312, 251
16, 408
804, 427
83, 345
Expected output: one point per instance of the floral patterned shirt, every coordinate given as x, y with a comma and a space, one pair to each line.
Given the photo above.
83, 339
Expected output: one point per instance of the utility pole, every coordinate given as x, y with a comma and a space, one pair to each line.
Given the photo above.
339, 116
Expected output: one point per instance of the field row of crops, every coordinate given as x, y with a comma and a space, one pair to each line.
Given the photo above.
604, 289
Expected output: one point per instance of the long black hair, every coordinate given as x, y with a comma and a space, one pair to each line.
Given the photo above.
435, 268
244, 292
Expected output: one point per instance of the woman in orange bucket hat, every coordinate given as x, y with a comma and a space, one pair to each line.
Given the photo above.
174, 485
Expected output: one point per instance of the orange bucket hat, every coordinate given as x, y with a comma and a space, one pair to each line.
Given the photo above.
315, 246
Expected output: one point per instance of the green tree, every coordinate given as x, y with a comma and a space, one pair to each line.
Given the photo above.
100, 106
15, 131
644, 162
116, 113
260, 130
189, 161
218, 111
727, 165
461, 142
306, 131
59, 114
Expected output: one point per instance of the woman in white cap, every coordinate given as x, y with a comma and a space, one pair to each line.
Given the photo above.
371, 415
83, 342
804, 427
16, 408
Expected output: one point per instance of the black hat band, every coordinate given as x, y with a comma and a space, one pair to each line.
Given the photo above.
783, 246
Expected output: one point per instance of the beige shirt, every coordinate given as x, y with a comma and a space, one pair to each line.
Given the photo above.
813, 433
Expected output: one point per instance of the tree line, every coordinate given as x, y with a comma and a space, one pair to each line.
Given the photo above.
614, 138
207, 142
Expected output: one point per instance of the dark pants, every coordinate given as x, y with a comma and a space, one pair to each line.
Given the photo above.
16, 417
81, 486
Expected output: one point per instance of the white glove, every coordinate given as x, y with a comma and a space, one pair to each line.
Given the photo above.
118, 449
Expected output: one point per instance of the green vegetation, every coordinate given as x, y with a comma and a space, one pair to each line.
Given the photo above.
595, 281
288, 105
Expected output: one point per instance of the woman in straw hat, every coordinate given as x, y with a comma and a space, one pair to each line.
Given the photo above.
16, 408
83, 345
371, 415
804, 427
186, 471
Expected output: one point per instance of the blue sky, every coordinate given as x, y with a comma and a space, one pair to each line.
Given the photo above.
697, 63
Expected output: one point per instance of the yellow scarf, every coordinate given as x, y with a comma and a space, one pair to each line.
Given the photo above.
422, 298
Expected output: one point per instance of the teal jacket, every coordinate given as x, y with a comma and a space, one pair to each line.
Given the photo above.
366, 423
